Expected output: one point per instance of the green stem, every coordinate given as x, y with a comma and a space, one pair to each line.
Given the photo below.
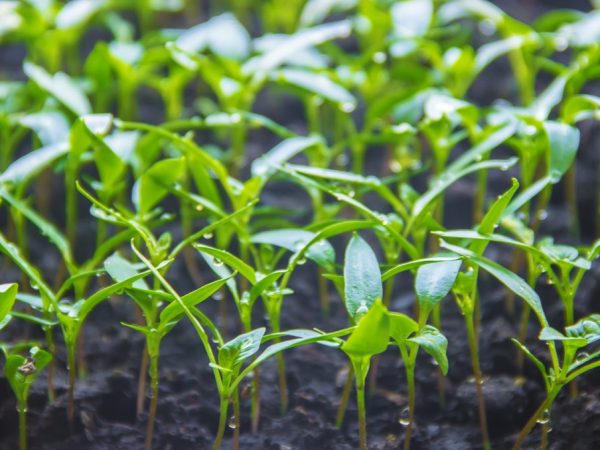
255, 405
22, 425
153, 402
436, 320
341, 411
323, 293
546, 404
361, 368
223, 407
141, 393
71, 361
236, 415
410, 382
275, 312
473, 348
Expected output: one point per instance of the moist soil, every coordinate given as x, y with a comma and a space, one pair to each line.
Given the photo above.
188, 402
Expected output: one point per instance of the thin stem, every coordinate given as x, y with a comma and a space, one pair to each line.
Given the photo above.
71, 361
223, 407
141, 393
410, 382
323, 294
362, 414
22, 425
473, 348
153, 401
546, 404
236, 416
255, 402
436, 320
341, 411
280, 361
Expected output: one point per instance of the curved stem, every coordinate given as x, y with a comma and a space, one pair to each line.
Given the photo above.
546, 404
223, 407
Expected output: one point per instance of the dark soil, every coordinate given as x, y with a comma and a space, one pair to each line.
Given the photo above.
188, 403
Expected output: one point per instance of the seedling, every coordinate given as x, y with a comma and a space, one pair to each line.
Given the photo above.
21, 372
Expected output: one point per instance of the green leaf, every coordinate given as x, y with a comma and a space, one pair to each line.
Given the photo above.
121, 269
61, 87
223, 256
410, 265
449, 177
587, 328
411, 18
268, 163
8, 295
435, 343
564, 141
77, 13
154, 184
401, 326
223, 35
46, 228
432, 284
318, 84
506, 277
32, 163
174, 309
371, 335
51, 127
234, 352
295, 43
295, 240
362, 278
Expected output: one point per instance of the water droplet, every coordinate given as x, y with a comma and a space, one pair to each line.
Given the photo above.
379, 57
235, 118
404, 419
218, 296
351, 193
347, 107
544, 417
486, 27
581, 356
208, 235
395, 166
542, 214
362, 310
433, 362
232, 422
560, 44
341, 160
217, 262
530, 130
199, 207
478, 158
34, 286
301, 261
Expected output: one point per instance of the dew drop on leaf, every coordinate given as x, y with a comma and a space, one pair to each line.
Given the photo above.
207, 235
301, 261
199, 207
217, 262
347, 107
218, 296
582, 356
379, 57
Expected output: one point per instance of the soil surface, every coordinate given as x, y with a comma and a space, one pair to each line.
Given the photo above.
188, 402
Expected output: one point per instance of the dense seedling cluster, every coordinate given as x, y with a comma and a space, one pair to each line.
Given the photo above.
237, 153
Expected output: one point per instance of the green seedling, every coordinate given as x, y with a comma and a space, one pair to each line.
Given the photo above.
575, 363
21, 372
